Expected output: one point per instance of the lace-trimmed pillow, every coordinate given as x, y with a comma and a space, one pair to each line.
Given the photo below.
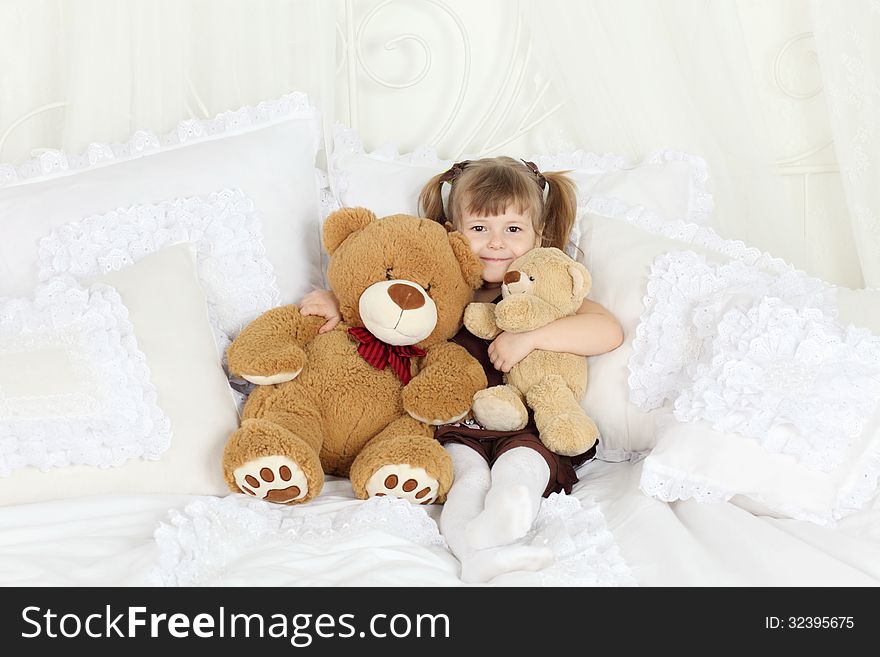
74, 387
113, 373
620, 265
783, 420
238, 279
267, 150
668, 182
620, 255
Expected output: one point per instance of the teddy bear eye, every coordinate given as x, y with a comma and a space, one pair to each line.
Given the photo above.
428, 287
531, 278
389, 274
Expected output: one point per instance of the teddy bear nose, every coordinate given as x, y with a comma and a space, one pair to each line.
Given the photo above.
406, 297
511, 277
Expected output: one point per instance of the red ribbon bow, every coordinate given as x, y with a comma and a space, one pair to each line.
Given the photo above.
379, 354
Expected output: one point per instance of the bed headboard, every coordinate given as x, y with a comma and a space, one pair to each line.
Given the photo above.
452, 76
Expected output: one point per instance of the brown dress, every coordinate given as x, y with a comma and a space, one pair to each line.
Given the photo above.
492, 444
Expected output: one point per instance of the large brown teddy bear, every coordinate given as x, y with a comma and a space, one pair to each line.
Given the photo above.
539, 287
359, 401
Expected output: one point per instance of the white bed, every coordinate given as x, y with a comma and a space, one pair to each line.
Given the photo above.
112, 541
242, 188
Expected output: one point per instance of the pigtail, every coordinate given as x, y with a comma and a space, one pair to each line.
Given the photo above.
560, 210
431, 200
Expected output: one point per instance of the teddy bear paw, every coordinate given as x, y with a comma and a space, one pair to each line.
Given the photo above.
404, 481
281, 377
568, 434
272, 478
499, 409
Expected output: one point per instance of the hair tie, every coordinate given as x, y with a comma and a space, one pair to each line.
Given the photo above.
542, 181
454, 172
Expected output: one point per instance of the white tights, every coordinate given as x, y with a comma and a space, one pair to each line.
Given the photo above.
485, 511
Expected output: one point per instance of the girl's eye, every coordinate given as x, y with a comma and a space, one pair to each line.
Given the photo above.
515, 229
478, 229
389, 274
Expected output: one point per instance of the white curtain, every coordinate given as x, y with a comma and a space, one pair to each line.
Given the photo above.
848, 42
642, 75
110, 67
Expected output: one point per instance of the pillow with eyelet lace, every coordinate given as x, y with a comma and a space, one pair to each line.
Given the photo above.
669, 182
224, 228
268, 151
113, 385
782, 416
631, 387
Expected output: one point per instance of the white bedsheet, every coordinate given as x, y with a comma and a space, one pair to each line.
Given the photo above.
336, 540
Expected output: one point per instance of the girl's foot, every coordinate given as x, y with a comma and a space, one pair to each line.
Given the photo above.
506, 517
483, 565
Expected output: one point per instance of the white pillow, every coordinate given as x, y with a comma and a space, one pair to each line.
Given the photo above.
685, 300
238, 279
668, 182
268, 151
783, 417
620, 253
74, 387
619, 260
167, 314
694, 461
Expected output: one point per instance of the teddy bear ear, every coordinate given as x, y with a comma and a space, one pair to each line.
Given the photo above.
470, 265
581, 281
342, 223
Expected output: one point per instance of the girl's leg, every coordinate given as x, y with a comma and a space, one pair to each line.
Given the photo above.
519, 478
463, 503
465, 498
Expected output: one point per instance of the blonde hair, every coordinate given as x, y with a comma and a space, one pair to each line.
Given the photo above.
490, 185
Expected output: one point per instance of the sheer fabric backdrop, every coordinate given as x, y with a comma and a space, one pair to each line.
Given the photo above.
123, 65
848, 39
645, 74
632, 76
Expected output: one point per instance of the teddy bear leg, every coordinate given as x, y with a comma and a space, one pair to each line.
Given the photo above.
273, 455
562, 423
500, 408
403, 461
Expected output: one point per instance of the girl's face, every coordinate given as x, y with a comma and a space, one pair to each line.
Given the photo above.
498, 240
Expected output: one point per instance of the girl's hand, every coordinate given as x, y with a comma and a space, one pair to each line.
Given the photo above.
510, 348
322, 303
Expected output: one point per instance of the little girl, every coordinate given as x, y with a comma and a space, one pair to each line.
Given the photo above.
504, 208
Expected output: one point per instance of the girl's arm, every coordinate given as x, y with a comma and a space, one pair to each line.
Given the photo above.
590, 332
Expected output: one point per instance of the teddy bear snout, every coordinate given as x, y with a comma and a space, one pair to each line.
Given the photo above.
515, 282
398, 311
406, 297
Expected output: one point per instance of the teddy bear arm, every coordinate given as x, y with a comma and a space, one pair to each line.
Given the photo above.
524, 313
479, 319
442, 392
270, 349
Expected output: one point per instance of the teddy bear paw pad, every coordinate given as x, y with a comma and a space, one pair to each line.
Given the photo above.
404, 481
272, 478
499, 410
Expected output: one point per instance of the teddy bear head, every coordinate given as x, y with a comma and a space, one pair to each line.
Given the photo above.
407, 280
550, 275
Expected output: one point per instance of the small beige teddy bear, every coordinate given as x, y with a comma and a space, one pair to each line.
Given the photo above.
540, 287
